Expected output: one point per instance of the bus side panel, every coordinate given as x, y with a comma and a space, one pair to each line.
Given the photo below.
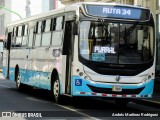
4, 71
35, 78
37, 72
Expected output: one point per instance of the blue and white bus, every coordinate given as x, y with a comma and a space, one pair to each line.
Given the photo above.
84, 49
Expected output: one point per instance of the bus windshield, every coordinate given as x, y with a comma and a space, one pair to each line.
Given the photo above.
116, 43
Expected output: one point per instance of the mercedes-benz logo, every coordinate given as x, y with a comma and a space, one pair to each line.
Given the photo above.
117, 78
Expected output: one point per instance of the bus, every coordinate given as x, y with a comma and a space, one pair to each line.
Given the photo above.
86, 49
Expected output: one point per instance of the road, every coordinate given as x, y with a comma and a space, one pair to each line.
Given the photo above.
42, 103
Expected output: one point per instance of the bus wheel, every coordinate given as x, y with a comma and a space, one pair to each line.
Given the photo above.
56, 92
18, 82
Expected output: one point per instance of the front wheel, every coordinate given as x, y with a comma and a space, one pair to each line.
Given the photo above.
56, 92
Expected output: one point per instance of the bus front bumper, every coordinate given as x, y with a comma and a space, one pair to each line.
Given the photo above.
82, 87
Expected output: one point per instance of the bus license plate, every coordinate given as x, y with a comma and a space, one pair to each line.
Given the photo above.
117, 88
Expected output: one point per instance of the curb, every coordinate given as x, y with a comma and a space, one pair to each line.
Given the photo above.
151, 103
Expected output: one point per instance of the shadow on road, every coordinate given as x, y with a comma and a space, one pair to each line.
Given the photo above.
82, 103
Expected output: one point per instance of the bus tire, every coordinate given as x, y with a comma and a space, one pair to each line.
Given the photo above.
56, 92
18, 81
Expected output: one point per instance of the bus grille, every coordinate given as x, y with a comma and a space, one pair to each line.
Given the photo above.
109, 90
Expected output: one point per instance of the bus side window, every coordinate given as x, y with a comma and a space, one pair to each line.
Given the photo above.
24, 35
58, 24
18, 36
13, 37
46, 35
30, 41
48, 25
43, 26
53, 24
38, 34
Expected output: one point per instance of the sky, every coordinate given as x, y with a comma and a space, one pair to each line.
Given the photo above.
19, 7
36, 7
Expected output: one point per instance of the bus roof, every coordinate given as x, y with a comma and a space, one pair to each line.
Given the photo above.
72, 7
46, 14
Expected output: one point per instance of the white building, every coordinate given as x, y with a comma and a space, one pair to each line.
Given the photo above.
10, 10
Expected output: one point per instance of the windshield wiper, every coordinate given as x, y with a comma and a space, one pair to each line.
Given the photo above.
108, 37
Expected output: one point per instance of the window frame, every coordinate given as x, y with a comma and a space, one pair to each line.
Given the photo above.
25, 33
53, 28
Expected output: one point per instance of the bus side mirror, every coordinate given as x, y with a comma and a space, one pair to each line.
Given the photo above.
9, 40
75, 28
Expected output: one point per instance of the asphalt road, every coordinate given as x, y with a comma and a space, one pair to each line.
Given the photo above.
41, 103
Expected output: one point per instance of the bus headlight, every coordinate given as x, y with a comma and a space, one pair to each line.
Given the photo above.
80, 73
148, 78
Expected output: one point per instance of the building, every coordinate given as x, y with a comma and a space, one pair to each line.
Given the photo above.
2, 22
9, 11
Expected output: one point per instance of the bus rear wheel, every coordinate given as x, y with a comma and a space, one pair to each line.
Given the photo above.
18, 82
56, 92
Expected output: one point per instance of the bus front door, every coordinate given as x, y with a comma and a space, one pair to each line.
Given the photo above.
68, 53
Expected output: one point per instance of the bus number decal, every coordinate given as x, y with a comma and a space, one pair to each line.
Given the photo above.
126, 12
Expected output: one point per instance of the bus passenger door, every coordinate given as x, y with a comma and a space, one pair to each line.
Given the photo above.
7, 55
68, 52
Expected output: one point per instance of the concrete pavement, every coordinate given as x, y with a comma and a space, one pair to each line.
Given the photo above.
155, 100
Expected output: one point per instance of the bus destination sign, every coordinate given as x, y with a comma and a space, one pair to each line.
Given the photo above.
118, 12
